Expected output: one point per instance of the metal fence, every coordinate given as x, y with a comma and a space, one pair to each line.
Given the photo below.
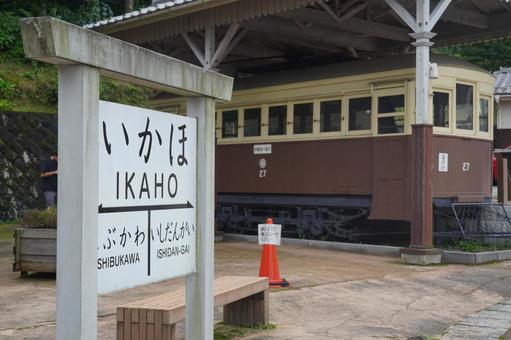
482, 220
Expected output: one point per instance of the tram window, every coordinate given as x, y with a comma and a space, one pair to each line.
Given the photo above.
360, 113
483, 114
302, 118
441, 109
252, 122
391, 104
391, 117
395, 124
277, 116
464, 107
330, 116
230, 124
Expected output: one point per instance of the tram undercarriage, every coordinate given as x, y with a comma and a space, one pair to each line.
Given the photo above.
333, 218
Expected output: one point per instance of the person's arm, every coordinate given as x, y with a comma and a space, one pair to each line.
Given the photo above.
49, 173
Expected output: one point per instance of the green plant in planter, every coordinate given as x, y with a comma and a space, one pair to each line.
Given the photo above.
44, 219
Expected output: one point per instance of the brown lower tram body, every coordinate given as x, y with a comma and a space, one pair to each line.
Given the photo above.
342, 189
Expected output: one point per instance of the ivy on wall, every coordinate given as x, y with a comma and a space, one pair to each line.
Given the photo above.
26, 139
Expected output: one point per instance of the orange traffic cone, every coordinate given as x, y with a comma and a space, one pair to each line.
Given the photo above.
270, 264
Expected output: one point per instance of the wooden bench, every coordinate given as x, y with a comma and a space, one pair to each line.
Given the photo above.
245, 301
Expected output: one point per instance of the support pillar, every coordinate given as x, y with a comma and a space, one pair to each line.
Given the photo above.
422, 198
77, 217
503, 184
199, 286
421, 249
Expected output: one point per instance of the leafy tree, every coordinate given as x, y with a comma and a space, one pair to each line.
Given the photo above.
488, 55
25, 83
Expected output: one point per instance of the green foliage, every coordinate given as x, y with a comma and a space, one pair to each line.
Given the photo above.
7, 230
124, 93
78, 13
229, 332
488, 55
46, 219
27, 86
475, 246
10, 40
34, 87
6, 88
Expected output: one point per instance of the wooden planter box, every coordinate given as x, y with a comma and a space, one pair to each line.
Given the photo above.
35, 250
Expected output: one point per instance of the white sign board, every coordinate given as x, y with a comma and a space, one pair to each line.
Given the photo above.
269, 234
147, 194
443, 162
262, 149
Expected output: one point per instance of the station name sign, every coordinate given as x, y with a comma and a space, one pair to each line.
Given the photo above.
147, 194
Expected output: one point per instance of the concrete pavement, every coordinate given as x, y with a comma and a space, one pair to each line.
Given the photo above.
334, 295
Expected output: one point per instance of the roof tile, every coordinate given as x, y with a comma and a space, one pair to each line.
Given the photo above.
503, 81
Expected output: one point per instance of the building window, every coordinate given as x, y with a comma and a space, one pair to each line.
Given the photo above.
441, 109
252, 122
302, 118
464, 107
230, 124
277, 117
330, 116
360, 113
483, 114
391, 114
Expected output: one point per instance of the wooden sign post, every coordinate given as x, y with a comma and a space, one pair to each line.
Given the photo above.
83, 55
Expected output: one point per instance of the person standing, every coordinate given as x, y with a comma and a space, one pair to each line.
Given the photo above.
49, 176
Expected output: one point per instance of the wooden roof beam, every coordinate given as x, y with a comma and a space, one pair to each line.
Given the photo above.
314, 45
225, 45
477, 3
345, 16
466, 17
346, 5
273, 25
354, 25
438, 11
403, 13
455, 14
249, 50
195, 49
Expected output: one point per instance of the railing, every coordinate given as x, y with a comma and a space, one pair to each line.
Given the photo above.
481, 220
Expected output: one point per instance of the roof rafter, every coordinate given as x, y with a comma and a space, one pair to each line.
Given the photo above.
273, 25
438, 11
354, 25
195, 49
403, 13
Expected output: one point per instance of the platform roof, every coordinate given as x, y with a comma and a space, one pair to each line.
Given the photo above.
275, 34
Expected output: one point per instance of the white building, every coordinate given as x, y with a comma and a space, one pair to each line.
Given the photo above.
503, 98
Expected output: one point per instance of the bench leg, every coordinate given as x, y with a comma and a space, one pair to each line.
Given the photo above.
250, 311
134, 324
169, 332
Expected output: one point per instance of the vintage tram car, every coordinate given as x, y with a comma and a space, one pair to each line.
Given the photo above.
326, 150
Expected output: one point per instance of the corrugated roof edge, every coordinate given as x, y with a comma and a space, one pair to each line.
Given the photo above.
138, 13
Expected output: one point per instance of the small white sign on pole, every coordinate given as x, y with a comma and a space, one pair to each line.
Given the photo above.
269, 234
147, 194
443, 162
